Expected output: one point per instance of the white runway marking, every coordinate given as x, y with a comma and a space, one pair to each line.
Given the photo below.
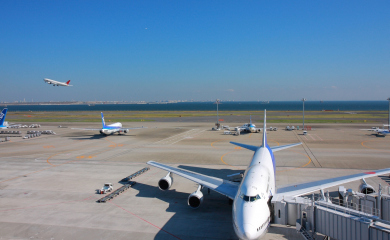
179, 137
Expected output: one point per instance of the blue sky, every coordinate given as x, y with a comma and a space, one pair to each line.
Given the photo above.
200, 50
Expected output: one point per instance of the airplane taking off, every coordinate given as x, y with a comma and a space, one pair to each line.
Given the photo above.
252, 207
2, 118
110, 129
56, 83
379, 131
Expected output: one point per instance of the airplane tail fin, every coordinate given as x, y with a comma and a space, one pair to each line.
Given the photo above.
254, 148
265, 130
2, 116
68, 82
103, 122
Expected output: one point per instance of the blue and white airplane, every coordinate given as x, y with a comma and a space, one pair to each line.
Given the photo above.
110, 129
378, 130
252, 209
2, 118
249, 127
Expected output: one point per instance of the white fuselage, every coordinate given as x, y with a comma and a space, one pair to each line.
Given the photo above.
251, 212
55, 83
112, 128
248, 127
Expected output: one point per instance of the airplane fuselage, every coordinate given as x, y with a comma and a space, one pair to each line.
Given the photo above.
111, 129
251, 210
382, 131
56, 83
249, 127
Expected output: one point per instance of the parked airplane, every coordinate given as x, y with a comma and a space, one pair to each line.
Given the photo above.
378, 130
2, 118
56, 83
252, 207
110, 129
249, 127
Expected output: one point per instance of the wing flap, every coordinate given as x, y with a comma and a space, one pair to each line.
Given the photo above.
224, 187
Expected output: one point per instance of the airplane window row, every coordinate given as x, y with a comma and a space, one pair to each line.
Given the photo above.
250, 198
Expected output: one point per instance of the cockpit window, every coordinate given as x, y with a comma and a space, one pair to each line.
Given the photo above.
250, 198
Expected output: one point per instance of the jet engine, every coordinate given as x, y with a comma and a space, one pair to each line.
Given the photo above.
126, 130
365, 188
165, 183
196, 198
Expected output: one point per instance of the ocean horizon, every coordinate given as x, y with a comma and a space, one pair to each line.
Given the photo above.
211, 106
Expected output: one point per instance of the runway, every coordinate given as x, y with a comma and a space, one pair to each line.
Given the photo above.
48, 184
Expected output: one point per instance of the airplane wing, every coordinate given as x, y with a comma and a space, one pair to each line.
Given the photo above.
132, 128
274, 149
278, 148
224, 187
88, 129
301, 189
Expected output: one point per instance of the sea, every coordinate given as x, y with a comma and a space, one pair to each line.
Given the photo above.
211, 106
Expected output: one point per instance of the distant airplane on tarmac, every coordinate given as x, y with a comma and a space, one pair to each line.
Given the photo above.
252, 205
56, 83
250, 127
110, 129
2, 118
379, 131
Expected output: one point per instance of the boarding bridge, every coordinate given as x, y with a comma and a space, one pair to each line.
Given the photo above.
352, 216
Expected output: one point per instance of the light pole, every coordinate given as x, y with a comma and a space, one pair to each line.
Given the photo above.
217, 102
388, 123
303, 112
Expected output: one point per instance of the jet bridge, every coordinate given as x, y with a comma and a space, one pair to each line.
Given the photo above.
355, 217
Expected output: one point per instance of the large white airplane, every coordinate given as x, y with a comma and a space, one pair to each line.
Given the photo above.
252, 210
56, 83
110, 129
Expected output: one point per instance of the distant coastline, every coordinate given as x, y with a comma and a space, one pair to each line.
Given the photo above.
332, 106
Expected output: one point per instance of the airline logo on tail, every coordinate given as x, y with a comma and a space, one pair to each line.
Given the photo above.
68, 82
103, 122
2, 116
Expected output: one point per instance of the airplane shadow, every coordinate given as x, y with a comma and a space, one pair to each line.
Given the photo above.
378, 135
211, 219
91, 137
385, 178
95, 136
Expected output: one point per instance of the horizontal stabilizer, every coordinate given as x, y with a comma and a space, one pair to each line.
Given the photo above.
250, 147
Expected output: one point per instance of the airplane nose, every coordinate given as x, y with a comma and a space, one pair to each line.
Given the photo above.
249, 231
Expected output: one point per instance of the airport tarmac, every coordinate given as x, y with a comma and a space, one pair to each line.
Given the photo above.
48, 184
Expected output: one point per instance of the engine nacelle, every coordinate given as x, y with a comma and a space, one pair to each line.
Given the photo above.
165, 183
126, 130
366, 188
196, 198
